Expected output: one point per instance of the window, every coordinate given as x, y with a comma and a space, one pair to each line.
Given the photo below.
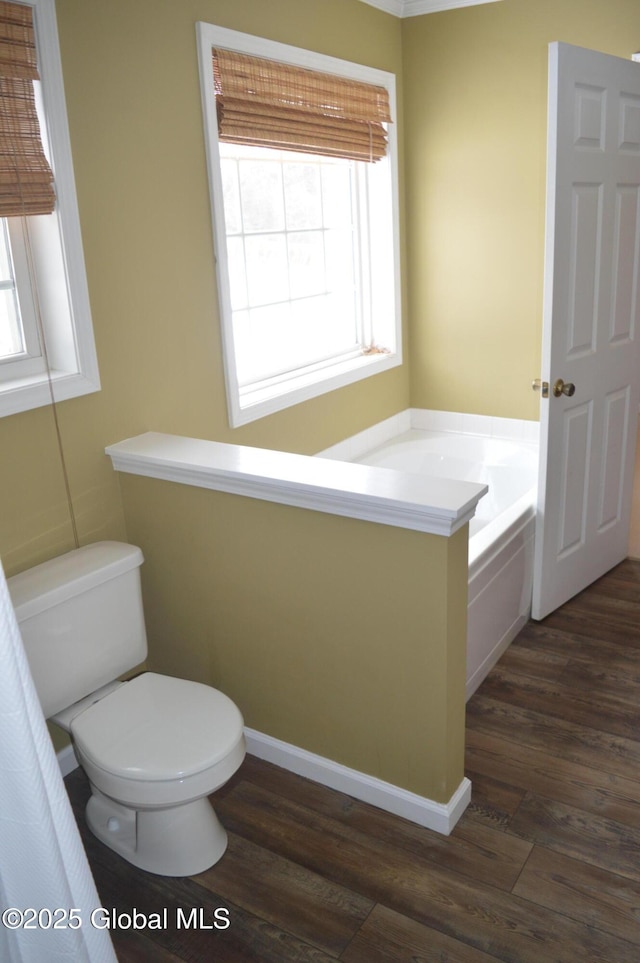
306, 242
46, 336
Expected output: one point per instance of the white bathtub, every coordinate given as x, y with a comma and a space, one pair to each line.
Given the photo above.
501, 453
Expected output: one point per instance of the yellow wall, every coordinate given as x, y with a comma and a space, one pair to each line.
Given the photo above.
475, 83
342, 637
133, 99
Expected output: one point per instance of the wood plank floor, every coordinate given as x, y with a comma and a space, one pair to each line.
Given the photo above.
544, 865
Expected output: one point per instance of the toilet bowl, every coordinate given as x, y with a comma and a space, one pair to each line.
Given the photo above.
155, 747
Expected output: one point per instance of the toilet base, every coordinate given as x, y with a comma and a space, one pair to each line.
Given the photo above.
180, 841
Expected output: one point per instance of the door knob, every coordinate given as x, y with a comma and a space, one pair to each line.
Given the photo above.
561, 387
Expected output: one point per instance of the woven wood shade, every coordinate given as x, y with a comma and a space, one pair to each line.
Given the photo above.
26, 180
269, 104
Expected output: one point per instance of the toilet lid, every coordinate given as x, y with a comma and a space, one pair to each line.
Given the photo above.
156, 727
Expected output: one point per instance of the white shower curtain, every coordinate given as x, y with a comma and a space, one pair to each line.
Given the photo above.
43, 866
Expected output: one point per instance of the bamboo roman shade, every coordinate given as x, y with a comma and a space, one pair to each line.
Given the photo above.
26, 180
271, 104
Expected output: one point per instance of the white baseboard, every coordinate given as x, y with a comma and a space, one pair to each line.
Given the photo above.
67, 760
441, 817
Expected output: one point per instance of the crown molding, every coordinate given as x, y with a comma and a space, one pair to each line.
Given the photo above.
415, 8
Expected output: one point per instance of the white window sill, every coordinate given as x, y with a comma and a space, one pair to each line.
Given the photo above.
22, 394
432, 505
256, 402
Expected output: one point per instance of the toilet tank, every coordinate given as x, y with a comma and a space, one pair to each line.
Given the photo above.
81, 620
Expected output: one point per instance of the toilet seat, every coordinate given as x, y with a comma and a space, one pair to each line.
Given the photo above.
158, 740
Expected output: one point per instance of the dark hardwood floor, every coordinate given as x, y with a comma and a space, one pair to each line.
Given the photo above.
544, 865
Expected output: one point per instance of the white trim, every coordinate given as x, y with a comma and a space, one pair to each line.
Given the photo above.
432, 505
305, 386
60, 266
245, 406
415, 8
210, 35
67, 760
440, 817
394, 7
34, 392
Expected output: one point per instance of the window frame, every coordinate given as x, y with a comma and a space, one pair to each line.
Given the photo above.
29, 360
56, 243
247, 405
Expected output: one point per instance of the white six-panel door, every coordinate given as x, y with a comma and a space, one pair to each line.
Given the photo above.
587, 438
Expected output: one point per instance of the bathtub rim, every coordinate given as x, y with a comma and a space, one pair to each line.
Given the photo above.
487, 543
507, 525
515, 430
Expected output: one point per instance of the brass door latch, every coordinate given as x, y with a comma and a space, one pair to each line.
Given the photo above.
560, 388
541, 386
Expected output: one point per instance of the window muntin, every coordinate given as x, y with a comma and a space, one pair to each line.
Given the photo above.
294, 284
325, 310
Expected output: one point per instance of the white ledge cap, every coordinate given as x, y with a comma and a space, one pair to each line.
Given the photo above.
439, 506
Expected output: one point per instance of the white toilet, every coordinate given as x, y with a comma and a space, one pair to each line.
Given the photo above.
154, 747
